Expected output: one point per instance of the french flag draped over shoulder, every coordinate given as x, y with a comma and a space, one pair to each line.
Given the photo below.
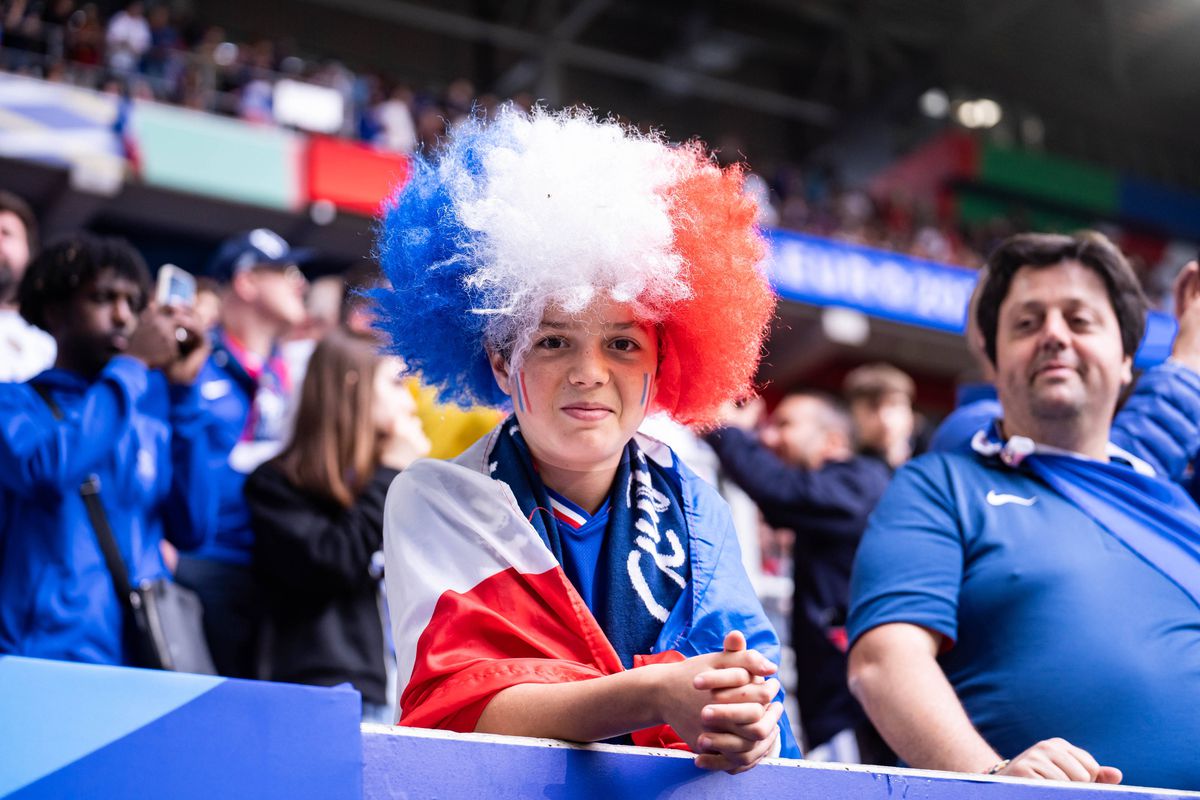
478, 603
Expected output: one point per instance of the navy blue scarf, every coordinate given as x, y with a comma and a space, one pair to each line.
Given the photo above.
1154, 518
644, 563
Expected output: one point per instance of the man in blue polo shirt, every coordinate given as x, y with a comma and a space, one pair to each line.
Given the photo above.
1157, 422
1033, 608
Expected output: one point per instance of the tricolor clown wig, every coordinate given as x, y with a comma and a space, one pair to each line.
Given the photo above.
557, 209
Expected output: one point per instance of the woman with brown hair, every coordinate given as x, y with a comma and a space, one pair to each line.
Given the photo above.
317, 511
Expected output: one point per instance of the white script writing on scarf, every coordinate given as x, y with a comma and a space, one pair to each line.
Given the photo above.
650, 503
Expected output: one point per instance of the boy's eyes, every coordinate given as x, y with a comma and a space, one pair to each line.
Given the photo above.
622, 344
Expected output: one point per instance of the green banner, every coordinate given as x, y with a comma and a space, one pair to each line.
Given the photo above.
1054, 179
216, 156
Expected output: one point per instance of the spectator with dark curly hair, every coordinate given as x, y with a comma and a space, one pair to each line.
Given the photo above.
118, 412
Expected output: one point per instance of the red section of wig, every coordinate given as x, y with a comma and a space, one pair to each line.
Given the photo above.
713, 340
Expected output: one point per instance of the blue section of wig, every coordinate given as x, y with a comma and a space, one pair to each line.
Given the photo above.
426, 253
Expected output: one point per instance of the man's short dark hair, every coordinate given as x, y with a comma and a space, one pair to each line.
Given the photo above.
833, 411
20, 209
67, 264
873, 381
1092, 250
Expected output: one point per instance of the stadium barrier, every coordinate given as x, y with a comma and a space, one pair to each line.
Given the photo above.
74, 730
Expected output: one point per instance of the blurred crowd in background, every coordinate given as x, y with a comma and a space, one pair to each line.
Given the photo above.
285, 424
145, 51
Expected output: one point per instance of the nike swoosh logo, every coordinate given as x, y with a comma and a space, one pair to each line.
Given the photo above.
996, 499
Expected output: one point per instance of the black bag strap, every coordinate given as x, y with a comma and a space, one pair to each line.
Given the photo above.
89, 490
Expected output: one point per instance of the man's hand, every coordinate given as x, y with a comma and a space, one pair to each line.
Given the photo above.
185, 367
153, 342
1059, 760
744, 415
1186, 292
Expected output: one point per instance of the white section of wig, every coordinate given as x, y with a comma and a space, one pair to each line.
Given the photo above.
566, 209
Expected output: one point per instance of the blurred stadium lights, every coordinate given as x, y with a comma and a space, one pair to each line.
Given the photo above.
225, 54
982, 113
935, 103
322, 212
1033, 131
311, 108
100, 177
845, 326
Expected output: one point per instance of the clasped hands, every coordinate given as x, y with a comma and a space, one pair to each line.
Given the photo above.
722, 705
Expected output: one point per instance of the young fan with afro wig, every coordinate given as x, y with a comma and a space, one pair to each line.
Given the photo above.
568, 577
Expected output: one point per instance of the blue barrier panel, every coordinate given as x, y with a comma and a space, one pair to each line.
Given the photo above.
1174, 211
888, 285
75, 730
72, 730
823, 272
406, 763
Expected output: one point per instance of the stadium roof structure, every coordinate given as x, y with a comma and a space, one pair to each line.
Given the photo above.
1107, 81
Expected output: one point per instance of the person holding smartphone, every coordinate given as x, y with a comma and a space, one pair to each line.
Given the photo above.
130, 416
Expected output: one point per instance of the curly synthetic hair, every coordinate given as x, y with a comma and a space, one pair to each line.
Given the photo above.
1092, 250
562, 209
68, 264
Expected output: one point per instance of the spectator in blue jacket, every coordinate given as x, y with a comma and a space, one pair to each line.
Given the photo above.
247, 392
805, 476
136, 428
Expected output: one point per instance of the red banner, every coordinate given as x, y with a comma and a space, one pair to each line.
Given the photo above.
353, 176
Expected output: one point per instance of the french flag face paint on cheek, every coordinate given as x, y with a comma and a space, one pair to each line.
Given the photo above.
522, 394
646, 390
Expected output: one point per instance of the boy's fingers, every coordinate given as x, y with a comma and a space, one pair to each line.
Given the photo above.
761, 693
724, 716
748, 720
727, 678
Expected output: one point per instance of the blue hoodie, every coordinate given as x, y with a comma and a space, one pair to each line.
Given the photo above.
144, 440
245, 421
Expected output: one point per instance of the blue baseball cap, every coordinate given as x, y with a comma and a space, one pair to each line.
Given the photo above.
259, 247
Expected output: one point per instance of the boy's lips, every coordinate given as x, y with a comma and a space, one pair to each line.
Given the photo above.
589, 412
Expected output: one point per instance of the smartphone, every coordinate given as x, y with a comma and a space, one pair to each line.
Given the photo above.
176, 287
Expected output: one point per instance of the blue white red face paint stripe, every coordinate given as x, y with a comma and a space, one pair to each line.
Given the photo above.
522, 395
645, 389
